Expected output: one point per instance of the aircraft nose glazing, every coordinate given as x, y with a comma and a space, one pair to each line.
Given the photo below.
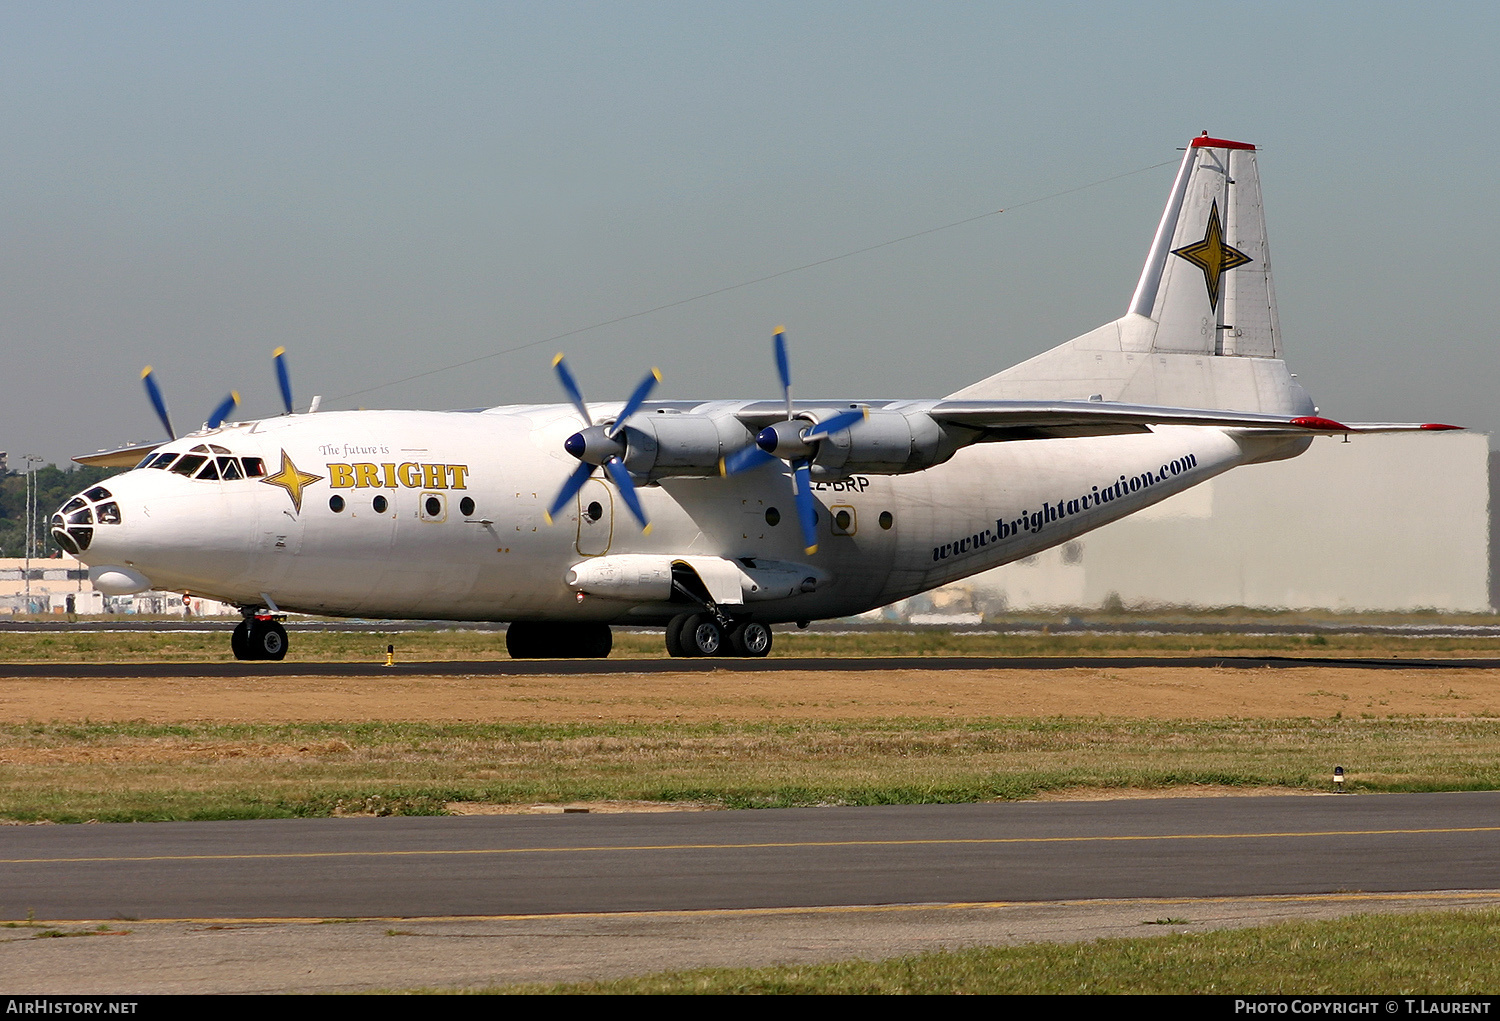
74, 523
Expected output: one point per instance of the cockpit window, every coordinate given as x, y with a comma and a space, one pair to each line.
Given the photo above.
109, 513
98, 493
201, 448
229, 468
254, 467
218, 449
210, 471
160, 460
188, 464
73, 504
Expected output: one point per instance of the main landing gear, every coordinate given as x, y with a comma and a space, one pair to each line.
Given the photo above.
705, 634
529, 639
258, 636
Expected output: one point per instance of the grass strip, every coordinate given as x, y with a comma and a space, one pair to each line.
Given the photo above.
1447, 953
137, 771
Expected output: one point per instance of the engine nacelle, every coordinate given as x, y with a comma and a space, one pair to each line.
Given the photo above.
664, 444
885, 443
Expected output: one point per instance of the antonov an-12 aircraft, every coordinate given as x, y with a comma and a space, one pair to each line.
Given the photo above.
718, 519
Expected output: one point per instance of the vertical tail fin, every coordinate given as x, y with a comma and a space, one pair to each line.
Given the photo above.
1201, 329
1207, 280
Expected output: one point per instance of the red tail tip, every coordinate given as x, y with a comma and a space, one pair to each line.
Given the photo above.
1440, 426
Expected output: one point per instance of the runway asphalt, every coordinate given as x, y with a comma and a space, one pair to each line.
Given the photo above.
736, 860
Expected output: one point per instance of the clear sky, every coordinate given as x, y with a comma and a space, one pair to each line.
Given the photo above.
387, 189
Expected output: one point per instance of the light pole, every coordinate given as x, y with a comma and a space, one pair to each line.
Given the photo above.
30, 522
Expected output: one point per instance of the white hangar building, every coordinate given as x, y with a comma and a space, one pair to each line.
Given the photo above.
1384, 522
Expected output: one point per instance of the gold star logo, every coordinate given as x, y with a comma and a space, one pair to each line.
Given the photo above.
292, 479
1212, 255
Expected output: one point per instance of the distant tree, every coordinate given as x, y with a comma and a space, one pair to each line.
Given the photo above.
54, 485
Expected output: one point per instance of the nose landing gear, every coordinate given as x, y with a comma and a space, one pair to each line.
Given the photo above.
258, 636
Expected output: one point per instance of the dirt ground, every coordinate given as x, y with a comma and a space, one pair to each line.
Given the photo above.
1155, 692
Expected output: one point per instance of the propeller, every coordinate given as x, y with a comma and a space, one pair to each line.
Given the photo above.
153, 391
283, 378
598, 446
148, 376
794, 441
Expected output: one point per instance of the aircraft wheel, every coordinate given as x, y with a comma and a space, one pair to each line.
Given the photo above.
239, 641
702, 636
750, 639
593, 641
674, 634
535, 639
268, 640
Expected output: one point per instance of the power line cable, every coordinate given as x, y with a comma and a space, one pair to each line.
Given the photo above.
750, 283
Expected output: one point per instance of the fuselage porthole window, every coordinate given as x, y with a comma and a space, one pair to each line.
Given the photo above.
336, 503
434, 507
466, 506
254, 467
380, 504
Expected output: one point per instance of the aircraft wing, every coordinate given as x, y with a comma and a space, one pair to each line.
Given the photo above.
123, 457
1001, 420
1013, 420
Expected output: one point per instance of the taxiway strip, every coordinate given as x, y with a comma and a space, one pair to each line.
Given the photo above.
789, 858
566, 667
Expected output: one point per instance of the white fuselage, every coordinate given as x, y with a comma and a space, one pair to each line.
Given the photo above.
430, 554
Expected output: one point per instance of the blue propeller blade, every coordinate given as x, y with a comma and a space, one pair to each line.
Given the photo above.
636, 400
283, 378
626, 485
154, 392
570, 387
837, 423
570, 489
784, 367
744, 460
807, 507
216, 418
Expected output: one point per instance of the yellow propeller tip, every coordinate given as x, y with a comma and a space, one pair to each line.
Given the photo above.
548, 516
646, 530
556, 359
811, 550
236, 395
722, 470
656, 372
146, 372
278, 352
779, 329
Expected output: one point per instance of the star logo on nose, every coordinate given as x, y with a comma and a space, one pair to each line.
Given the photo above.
293, 479
1212, 255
